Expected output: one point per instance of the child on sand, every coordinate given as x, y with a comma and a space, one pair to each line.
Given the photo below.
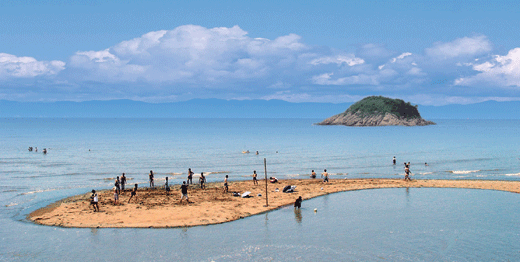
184, 191
94, 200
313, 174
134, 193
116, 195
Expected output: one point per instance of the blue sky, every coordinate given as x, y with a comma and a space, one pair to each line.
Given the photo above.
427, 52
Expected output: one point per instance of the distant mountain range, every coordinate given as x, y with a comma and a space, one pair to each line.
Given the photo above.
216, 108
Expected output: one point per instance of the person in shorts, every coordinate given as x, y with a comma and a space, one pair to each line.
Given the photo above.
226, 188
134, 193
116, 195
190, 176
255, 181
325, 176
94, 200
184, 191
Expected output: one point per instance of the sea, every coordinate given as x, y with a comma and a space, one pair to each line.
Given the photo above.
404, 224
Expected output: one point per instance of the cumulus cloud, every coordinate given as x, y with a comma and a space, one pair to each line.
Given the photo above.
501, 70
192, 61
466, 46
191, 53
12, 66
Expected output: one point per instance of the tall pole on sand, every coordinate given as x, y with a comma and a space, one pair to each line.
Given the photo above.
265, 171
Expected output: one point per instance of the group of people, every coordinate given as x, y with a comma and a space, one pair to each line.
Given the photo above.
324, 175
36, 149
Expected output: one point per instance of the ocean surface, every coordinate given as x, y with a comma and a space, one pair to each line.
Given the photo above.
383, 224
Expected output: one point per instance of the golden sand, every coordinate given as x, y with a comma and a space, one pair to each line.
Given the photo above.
153, 208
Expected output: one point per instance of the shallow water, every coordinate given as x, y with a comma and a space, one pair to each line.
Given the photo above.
382, 224
89, 153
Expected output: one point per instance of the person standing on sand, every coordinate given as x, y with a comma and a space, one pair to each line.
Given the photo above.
313, 174
184, 192
407, 174
116, 196
167, 187
325, 176
94, 200
202, 181
152, 185
226, 188
123, 182
117, 184
134, 193
190, 177
298, 202
255, 181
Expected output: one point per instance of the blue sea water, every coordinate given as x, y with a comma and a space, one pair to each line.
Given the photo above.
425, 224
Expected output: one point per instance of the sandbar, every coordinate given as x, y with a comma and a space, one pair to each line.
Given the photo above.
154, 209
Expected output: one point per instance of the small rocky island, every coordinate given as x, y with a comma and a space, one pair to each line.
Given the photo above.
379, 111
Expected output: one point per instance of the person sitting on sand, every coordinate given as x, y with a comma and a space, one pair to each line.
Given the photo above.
184, 191
298, 202
152, 185
273, 179
325, 176
116, 196
255, 181
134, 193
167, 187
226, 188
202, 180
313, 174
94, 200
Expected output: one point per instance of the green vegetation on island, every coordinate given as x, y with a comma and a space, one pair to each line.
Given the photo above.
381, 105
379, 111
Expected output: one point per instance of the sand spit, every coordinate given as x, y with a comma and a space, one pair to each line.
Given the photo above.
155, 209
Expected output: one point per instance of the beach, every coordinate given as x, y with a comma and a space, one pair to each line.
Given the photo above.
153, 208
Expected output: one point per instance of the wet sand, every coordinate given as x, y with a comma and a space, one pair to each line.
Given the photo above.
153, 208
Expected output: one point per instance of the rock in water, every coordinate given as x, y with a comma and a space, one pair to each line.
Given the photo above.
379, 111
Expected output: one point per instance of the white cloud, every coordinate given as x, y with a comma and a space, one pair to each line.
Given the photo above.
501, 71
360, 79
350, 60
190, 54
466, 46
400, 57
12, 66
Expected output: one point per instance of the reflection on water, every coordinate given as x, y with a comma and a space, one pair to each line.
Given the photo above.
298, 215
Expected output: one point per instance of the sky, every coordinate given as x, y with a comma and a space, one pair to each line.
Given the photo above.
426, 52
